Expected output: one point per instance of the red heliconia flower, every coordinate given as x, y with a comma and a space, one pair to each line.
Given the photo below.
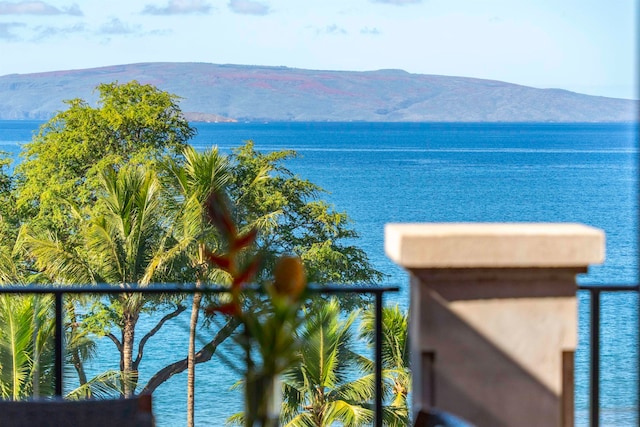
247, 274
223, 262
219, 215
244, 241
230, 308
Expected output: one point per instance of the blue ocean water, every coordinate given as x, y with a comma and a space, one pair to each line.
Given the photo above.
421, 172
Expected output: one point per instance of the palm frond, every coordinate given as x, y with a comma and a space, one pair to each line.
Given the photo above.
16, 346
8, 268
395, 347
103, 386
62, 262
350, 415
303, 419
362, 389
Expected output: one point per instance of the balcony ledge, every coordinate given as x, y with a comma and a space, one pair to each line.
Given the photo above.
493, 245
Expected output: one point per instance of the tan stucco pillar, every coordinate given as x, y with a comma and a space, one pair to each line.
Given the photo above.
493, 317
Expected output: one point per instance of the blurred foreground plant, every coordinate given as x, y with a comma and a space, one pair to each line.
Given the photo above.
270, 314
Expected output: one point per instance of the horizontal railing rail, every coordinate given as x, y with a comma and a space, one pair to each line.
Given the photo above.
595, 292
58, 291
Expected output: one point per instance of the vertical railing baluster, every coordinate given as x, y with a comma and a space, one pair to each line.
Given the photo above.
378, 368
59, 356
594, 405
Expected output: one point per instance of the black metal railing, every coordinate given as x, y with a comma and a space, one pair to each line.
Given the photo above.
595, 292
59, 291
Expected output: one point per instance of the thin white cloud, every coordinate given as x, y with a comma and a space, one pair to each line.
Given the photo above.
160, 32
373, 31
48, 32
6, 30
74, 9
397, 2
37, 8
178, 7
249, 7
331, 29
116, 26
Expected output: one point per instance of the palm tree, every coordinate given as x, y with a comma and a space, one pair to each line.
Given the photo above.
119, 243
26, 341
199, 176
192, 182
395, 359
27, 367
26, 329
318, 391
27, 357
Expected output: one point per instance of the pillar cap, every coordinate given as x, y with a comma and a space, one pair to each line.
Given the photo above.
494, 245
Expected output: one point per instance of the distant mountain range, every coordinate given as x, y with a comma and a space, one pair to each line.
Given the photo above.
213, 92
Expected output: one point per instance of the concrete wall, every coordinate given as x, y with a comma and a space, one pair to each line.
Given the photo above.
493, 317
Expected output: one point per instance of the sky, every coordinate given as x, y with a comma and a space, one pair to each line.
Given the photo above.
586, 46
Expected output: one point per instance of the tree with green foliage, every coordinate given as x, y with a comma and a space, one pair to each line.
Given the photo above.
118, 243
61, 177
333, 383
26, 353
9, 262
190, 183
292, 218
131, 123
6, 186
263, 194
318, 391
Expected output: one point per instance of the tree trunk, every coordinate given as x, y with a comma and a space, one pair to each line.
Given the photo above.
76, 359
191, 358
130, 376
202, 356
193, 324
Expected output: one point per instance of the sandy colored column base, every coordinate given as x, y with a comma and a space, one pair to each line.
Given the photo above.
494, 358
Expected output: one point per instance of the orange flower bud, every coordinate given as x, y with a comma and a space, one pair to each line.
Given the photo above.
289, 276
